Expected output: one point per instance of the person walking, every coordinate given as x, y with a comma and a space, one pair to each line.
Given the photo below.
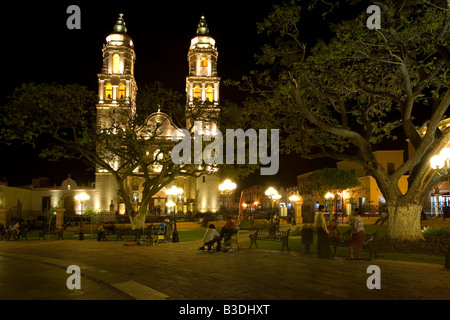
323, 241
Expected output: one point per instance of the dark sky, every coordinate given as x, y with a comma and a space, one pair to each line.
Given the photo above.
37, 46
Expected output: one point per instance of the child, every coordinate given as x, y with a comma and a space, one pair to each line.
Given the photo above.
334, 234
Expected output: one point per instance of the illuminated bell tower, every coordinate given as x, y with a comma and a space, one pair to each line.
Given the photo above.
116, 84
202, 88
116, 91
202, 83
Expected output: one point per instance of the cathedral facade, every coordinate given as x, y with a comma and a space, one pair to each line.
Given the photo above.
117, 89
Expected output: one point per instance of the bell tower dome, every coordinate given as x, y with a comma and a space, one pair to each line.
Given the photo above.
116, 83
202, 83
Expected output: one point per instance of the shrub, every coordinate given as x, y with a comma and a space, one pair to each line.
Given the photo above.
429, 246
436, 232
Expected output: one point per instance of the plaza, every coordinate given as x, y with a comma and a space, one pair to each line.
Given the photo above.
111, 270
335, 93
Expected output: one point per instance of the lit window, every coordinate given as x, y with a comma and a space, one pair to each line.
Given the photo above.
116, 63
209, 93
121, 91
197, 92
108, 91
203, 62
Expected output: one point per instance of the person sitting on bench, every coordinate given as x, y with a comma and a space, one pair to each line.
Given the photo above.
228, 229
211, 236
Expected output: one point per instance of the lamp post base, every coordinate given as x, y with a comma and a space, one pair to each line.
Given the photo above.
175, 237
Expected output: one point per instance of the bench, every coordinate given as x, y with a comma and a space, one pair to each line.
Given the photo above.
59, 232
145, 236
270, 234
368, 243
120, 232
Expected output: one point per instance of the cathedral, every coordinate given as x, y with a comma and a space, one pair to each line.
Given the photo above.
117, 89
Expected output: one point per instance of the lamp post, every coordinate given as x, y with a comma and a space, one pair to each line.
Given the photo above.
174, 192
330, 198
273, 195
441, 163
295, 199
82, 197
227, 188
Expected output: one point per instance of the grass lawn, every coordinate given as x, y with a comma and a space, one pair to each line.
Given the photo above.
295, 245
295, 240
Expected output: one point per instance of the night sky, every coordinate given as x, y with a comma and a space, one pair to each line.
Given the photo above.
38, 47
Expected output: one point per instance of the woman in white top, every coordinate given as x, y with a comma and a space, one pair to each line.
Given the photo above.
356, 234
211, 236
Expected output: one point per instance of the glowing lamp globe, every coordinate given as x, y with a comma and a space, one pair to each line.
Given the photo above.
437, 162
445, 153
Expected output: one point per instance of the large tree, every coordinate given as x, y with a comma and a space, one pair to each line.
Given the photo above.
329, 180
60, 120
347, 94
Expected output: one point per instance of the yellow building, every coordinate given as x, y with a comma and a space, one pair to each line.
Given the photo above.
368, 193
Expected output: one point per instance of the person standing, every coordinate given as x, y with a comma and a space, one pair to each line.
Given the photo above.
323, 241
101, 232
356, 234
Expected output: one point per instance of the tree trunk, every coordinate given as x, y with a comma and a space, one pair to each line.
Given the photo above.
404, 221
138, 220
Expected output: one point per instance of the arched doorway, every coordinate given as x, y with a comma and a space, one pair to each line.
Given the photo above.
69, 206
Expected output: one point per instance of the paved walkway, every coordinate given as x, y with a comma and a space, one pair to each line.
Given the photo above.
178, 271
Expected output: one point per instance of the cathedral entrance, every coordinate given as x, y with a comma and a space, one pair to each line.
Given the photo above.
69, 206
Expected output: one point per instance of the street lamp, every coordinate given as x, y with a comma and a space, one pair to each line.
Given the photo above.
330, 198
273, 195
297, 200
270, 192
227, 188
82, 197
174, 192
441, 163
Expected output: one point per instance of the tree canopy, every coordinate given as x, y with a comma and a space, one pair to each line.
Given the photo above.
348, 93
329, 180
61, 122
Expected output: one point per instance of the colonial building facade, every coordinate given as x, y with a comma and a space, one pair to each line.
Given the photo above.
117, 90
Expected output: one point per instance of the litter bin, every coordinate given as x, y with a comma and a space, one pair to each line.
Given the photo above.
307, 237
446, 212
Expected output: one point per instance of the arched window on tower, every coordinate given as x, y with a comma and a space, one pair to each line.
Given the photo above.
108, 91
116, 63
121, 91
197, 93
209, 94
203, 62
